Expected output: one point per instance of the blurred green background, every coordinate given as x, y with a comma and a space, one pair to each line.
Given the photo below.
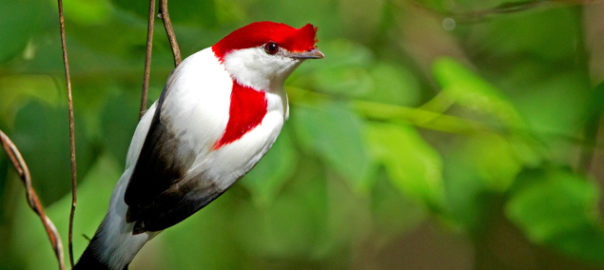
458, 134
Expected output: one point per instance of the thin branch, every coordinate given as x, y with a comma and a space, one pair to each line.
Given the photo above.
427, 119
165, 16
32, 199
475, 16
71, 131
150, 24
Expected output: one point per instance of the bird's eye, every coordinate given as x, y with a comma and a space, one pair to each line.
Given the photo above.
271, 48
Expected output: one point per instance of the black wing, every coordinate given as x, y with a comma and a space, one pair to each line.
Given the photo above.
157, 195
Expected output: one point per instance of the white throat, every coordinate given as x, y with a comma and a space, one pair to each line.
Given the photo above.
255, 68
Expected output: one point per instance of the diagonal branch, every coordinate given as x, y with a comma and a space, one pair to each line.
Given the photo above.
475, 16
148, 57
32, 199
165, 16
71, 131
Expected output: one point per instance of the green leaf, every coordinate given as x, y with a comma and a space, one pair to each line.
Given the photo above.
555, 104
267, 178
119, 118
140, 8
393, 84
350, 70
471, 91
414, 167
559, 209
343, 53
206, 238
18, 89
597, 99
93, 199
231, 227
469, 202
478, 170
190, 12
360, 19
347, 81
514, 36
42, 134
393, 213
494, 159
91, 12
199, 13
295, 225
318, 12
228, 12
333, 132
344, 71
21, 20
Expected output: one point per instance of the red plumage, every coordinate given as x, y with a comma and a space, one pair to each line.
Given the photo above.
247, 110
258, 33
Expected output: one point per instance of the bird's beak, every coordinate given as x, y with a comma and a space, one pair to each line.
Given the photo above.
312, 54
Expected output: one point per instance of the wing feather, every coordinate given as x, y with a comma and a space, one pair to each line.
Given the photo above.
159, 193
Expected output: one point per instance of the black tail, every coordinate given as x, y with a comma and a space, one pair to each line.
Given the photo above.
89, 261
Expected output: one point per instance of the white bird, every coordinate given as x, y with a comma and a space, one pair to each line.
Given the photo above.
221, 110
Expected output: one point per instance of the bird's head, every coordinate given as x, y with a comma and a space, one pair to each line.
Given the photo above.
263, 54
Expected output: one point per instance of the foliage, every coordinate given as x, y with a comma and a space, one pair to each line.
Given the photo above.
408, 136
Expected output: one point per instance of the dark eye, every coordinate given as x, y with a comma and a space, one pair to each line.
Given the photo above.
271, 48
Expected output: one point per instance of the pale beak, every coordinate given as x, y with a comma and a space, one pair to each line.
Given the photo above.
312, 54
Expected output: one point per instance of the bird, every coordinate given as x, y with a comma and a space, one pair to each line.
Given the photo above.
220, 111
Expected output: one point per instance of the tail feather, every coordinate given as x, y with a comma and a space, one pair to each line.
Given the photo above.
91, 259
112, 248
114, 244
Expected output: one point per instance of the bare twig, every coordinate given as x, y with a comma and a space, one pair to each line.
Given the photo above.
32, 199
165, 16
145, 91
71, 131
427, 119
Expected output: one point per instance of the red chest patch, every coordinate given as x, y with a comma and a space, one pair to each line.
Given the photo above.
247, 110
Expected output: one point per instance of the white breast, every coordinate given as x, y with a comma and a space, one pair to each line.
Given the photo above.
232, 161
197, 110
